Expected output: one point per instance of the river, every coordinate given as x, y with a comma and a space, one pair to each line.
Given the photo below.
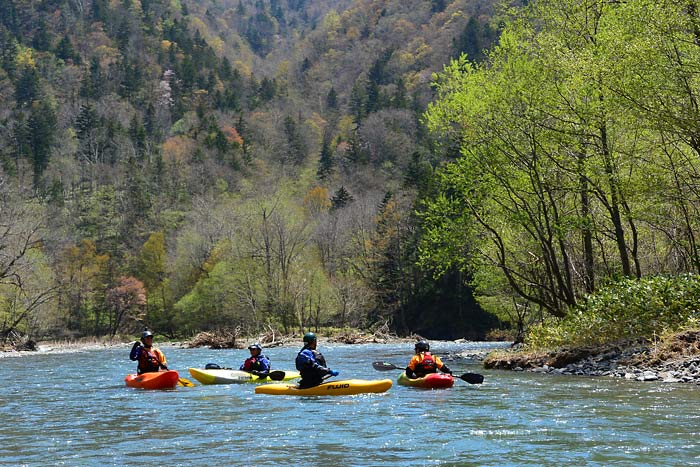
73, 409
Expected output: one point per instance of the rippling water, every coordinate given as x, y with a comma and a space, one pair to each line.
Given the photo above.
74, 409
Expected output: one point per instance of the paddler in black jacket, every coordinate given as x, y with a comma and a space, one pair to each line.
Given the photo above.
311, 363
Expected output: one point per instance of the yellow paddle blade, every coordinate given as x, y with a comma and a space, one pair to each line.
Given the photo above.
184, 382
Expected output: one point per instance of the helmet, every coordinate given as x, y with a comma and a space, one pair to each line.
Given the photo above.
146, 333
422, 345
255, 346
309, 337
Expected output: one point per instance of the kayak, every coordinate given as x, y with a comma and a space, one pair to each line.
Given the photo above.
429, 381
344, 387
155, 380
221, 376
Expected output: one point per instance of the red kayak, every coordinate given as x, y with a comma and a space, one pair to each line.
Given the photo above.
155, 380
430, 381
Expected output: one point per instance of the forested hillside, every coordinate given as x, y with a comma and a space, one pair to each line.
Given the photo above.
248, 164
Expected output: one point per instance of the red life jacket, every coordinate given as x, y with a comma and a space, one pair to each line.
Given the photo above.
254, 363
426, 365
250, 364
148, 361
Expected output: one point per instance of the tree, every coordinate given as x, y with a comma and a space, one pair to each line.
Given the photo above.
126, 300
325, 163
26, 283
65, 50
42, 130
84, 276
341, 198
296, 146
550, 165
27, 86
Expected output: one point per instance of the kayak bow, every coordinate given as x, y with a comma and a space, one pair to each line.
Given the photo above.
429, 381
222, 376
155, 380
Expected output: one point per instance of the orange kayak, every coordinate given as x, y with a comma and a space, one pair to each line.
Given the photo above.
156, 380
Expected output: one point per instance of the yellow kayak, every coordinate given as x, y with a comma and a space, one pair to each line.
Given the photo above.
344, 387
222, 376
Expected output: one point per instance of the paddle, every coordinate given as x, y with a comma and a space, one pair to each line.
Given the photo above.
471, 378
274, 375
185, 382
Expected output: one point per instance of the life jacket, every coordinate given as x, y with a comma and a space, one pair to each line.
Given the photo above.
253, 363
311, 375
148, 361
320, 359
426, 365
317, 356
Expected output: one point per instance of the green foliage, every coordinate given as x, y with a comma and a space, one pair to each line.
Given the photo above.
628, 309
567, 174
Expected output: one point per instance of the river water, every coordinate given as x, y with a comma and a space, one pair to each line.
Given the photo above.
73, 409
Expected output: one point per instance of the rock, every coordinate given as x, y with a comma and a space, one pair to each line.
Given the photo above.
648, 376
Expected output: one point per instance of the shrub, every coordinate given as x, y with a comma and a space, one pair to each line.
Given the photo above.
628, 309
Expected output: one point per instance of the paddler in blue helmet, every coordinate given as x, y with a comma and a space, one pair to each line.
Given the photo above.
311, 363
423, 362
150, 358
257, 364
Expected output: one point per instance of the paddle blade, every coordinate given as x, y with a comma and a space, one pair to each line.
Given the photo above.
472, 378
276, 375
383, 366
185, 382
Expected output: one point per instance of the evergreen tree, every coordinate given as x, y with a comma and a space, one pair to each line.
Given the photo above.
358, 102
21, 137
332, 99
27, 87
268, 89
92, 84
86, 121
42, 39
400, 99
137, 132
65, 50
341, 198
8, 52
474, 40
10, 18
325, 163
373, 98
296, 147
437, 6
42, 127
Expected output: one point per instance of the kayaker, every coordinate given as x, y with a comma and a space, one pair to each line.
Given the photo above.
150, 358
311, 363
423, 362
257, 364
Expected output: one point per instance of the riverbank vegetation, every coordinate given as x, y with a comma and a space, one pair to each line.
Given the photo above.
648, 321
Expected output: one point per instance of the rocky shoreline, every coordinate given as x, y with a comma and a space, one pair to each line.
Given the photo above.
675, 360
